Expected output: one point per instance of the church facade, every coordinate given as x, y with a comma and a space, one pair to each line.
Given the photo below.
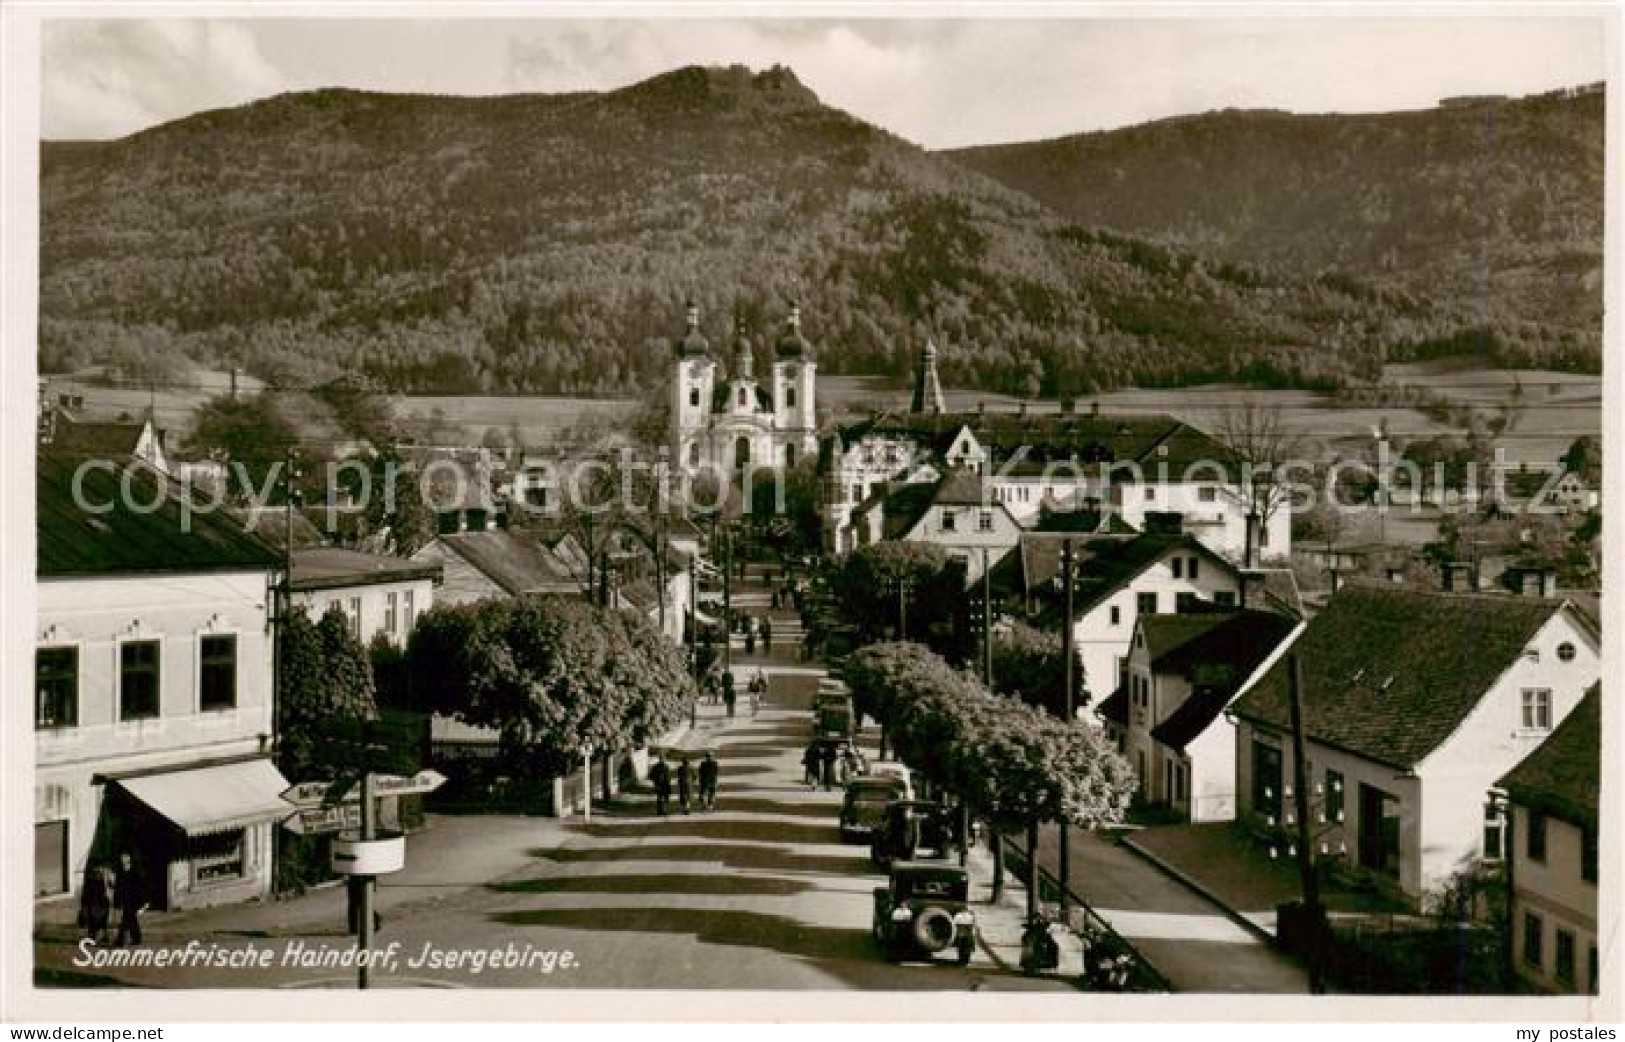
729, 419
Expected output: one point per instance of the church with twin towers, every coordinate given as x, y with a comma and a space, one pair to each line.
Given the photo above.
724, 416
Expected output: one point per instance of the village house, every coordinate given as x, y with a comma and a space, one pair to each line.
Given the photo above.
379, 596
1550, 847
1168, 718
477, 566
1414, 703
153, 718
953, 512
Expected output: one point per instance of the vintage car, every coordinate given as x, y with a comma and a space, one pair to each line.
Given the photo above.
909, 828
865, 805
832, 716
923, 911
893, 769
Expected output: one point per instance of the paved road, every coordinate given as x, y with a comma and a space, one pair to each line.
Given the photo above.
758, 894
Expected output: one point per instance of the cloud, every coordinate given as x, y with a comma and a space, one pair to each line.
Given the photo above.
110, 78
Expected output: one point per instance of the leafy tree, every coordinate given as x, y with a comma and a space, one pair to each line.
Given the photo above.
867, 587
1030, 664
325, 680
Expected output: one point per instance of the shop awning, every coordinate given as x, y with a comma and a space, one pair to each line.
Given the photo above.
214, 799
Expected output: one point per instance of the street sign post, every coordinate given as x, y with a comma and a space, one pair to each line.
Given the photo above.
315, 794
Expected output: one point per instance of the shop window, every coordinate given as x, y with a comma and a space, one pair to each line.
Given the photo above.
216, 857
138, 680
217, 672
56, 688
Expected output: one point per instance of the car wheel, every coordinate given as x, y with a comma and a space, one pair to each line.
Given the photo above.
934, 929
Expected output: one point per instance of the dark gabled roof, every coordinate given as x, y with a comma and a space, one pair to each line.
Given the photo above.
518, 563
272, 524
1215, 653
95, 440
1561, 777
1110, 563
1114, 710
963, 488
1090, 521
904, 505
328, 567
75, 541
1390, 672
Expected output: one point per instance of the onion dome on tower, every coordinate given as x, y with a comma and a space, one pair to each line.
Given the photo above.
693, 343
792, 344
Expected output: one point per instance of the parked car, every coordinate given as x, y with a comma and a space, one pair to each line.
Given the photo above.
923, 911
833, 717
910, 827
893, 769
865, 805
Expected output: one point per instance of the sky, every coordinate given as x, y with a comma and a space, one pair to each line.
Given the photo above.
940, 82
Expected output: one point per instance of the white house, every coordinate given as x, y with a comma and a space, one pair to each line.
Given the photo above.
379, 595
1168, 719
153, 705
1414, 703
1118, 581
954, 512
1551, 848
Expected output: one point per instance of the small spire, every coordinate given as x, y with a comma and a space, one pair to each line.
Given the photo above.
927, 388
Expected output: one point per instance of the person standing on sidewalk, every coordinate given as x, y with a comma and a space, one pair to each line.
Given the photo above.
809, 763
685, 784
767, 636
95, 903
709, 770
828, 761
660, 778
130, 897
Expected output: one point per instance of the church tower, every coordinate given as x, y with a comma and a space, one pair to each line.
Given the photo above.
795, 374
694, 376
927, 388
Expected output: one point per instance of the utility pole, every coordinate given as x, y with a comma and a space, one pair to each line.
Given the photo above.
727, 597
1067, 703
369, 831
1306, 851
987, 678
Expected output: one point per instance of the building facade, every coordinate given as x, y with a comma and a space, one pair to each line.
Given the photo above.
728, 420
153, 702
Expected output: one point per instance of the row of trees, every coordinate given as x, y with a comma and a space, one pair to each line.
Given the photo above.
1013, 766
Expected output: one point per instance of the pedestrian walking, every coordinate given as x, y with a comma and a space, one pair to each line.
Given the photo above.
767, 636
130, 897
809, 763
685, 784
95, 903
849, 764
729, 697
660, 778
828, 763
758, 690
709, 769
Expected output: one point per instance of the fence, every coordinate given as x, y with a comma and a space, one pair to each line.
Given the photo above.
1111, 963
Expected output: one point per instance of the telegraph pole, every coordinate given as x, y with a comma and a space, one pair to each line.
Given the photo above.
727, 597
987, 678
1306, 851
1067, 702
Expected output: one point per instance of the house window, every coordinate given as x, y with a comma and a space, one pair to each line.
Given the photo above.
790, 397
216, 856
217, 672
789, 455
390, 603
56, 688
1565, 957
352, 614
1588, 855
1190, 568
1117, 615
1225, 598
1494, 832
1535, 842
1146, 603
1334, 796
1565, 652
948, 521
744, 399
984, 521
1534, 929
1266, 780
1378, 837
1178, 564
1207, 494
1150, 493
138, 680
1537, 709
694, 397
411, 611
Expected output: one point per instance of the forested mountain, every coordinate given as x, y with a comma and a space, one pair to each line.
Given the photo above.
1494, 204
546, 244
